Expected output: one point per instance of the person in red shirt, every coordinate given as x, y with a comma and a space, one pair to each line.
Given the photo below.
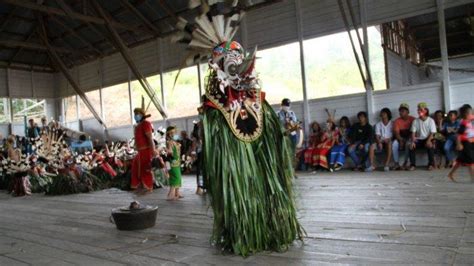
401, 134
142, 175
465, 142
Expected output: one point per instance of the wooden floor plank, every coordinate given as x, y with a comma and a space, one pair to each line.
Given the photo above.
351, 218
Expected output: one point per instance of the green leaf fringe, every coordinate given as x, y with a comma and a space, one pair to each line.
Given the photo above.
250, 185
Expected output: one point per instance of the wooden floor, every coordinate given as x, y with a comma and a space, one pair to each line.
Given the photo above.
397, 217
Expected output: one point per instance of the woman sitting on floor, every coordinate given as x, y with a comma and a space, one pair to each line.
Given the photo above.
337, 156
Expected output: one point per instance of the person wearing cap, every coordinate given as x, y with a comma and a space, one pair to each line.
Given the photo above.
289, 121
401, 133
285, 114
142, 175
422, 131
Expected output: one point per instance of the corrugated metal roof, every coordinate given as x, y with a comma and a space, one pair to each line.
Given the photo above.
76, 36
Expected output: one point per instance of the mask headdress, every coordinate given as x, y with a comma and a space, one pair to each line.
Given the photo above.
231, 85
210, 36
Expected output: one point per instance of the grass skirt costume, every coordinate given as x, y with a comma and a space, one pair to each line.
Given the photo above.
247, 160
250, 186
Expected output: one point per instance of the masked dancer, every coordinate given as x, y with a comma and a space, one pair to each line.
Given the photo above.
247, 157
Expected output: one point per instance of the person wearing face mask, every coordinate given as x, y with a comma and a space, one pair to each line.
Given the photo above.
142, 174
173, 148
286, 114
288, 120
422, 131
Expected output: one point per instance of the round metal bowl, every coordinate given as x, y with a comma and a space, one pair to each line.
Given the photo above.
134, 219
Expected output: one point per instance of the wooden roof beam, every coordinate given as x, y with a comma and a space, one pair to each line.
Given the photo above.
145, 21
19, 49
59, 63
76, 35
467, 44
121, 46
435, 23
72, 14
36, 47
7, 18
25, 66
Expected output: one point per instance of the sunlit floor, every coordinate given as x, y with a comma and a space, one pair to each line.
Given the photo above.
397, 217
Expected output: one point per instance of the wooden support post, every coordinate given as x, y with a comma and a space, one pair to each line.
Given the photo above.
10, 108
101, 98
199, 81
299, 27
162, 84
130, 104
101, 87
363, 45
444, 55
56, 59
365, 50
120, 45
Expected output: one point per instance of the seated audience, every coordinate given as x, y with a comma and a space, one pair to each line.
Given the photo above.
401, 133
313, 140
423, 129
439, 138
383, 139
327, 140
450, 129
338, 151
361, 138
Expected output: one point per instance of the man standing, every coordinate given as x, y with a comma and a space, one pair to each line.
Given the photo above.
401, 132
289, 121
44, 125
142, 175
422, 131
32, 131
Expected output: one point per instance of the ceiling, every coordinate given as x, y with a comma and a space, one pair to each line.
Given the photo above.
76, 29
459, 32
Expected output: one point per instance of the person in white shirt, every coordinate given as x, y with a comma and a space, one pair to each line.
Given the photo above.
422, 131
383, 140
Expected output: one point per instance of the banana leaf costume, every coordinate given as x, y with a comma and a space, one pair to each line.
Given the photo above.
246, 157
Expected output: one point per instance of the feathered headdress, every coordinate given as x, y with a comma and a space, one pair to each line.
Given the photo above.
210, 35
217, 23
